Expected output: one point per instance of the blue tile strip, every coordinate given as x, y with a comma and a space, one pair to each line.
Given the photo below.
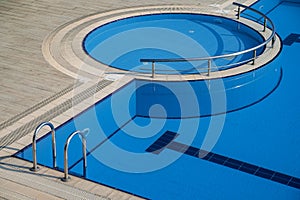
166, 141
291, 39
161, 142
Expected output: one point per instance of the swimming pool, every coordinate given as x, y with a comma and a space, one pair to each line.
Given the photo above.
257, 150
154, 110
171, 36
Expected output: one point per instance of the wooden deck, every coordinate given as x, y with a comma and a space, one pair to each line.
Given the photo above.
27, 80
25, 77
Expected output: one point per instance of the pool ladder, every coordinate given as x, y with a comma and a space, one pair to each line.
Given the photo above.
83, 139
39, 127
82, 134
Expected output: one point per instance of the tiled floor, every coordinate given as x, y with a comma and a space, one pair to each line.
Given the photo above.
30, 88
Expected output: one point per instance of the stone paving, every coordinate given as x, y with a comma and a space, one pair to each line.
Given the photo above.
30, 87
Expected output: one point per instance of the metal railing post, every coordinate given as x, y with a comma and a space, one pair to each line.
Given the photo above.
208, 67
34, 157
66, 159
153, 69
265, 24
254, 56
273, 41
54, 164
84, 155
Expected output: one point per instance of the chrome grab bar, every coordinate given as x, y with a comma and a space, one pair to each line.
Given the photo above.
266, 18
83, 134
39, 127
211, 58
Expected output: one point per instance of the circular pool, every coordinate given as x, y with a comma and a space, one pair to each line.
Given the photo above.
122, 43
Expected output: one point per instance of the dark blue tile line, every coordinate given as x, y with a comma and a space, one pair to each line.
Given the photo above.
161, 142
166, 141
291, 39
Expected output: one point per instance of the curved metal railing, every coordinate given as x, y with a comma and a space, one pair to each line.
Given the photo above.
66, 147
211, 58
39, 127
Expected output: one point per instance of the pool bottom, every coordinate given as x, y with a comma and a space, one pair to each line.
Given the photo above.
119, 137
186, 177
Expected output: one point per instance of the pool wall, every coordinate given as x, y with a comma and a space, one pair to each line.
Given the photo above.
114, 111
194, 98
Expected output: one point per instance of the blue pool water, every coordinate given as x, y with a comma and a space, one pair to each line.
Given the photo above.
170, 36
254, 146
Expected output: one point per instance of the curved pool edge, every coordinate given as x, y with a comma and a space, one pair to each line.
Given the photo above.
154, 31
63, 48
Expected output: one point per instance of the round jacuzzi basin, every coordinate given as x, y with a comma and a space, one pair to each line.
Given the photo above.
122, 43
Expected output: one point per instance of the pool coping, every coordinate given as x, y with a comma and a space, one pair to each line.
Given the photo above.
63, 47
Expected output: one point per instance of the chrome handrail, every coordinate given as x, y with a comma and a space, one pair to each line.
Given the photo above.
66, 167
39, 127
210, 58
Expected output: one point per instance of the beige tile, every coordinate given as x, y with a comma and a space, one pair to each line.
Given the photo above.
26, 140
102, 190
14, 148
84, 185
119, 195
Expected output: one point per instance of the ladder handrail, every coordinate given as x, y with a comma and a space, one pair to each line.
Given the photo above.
38, 128
66, 167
